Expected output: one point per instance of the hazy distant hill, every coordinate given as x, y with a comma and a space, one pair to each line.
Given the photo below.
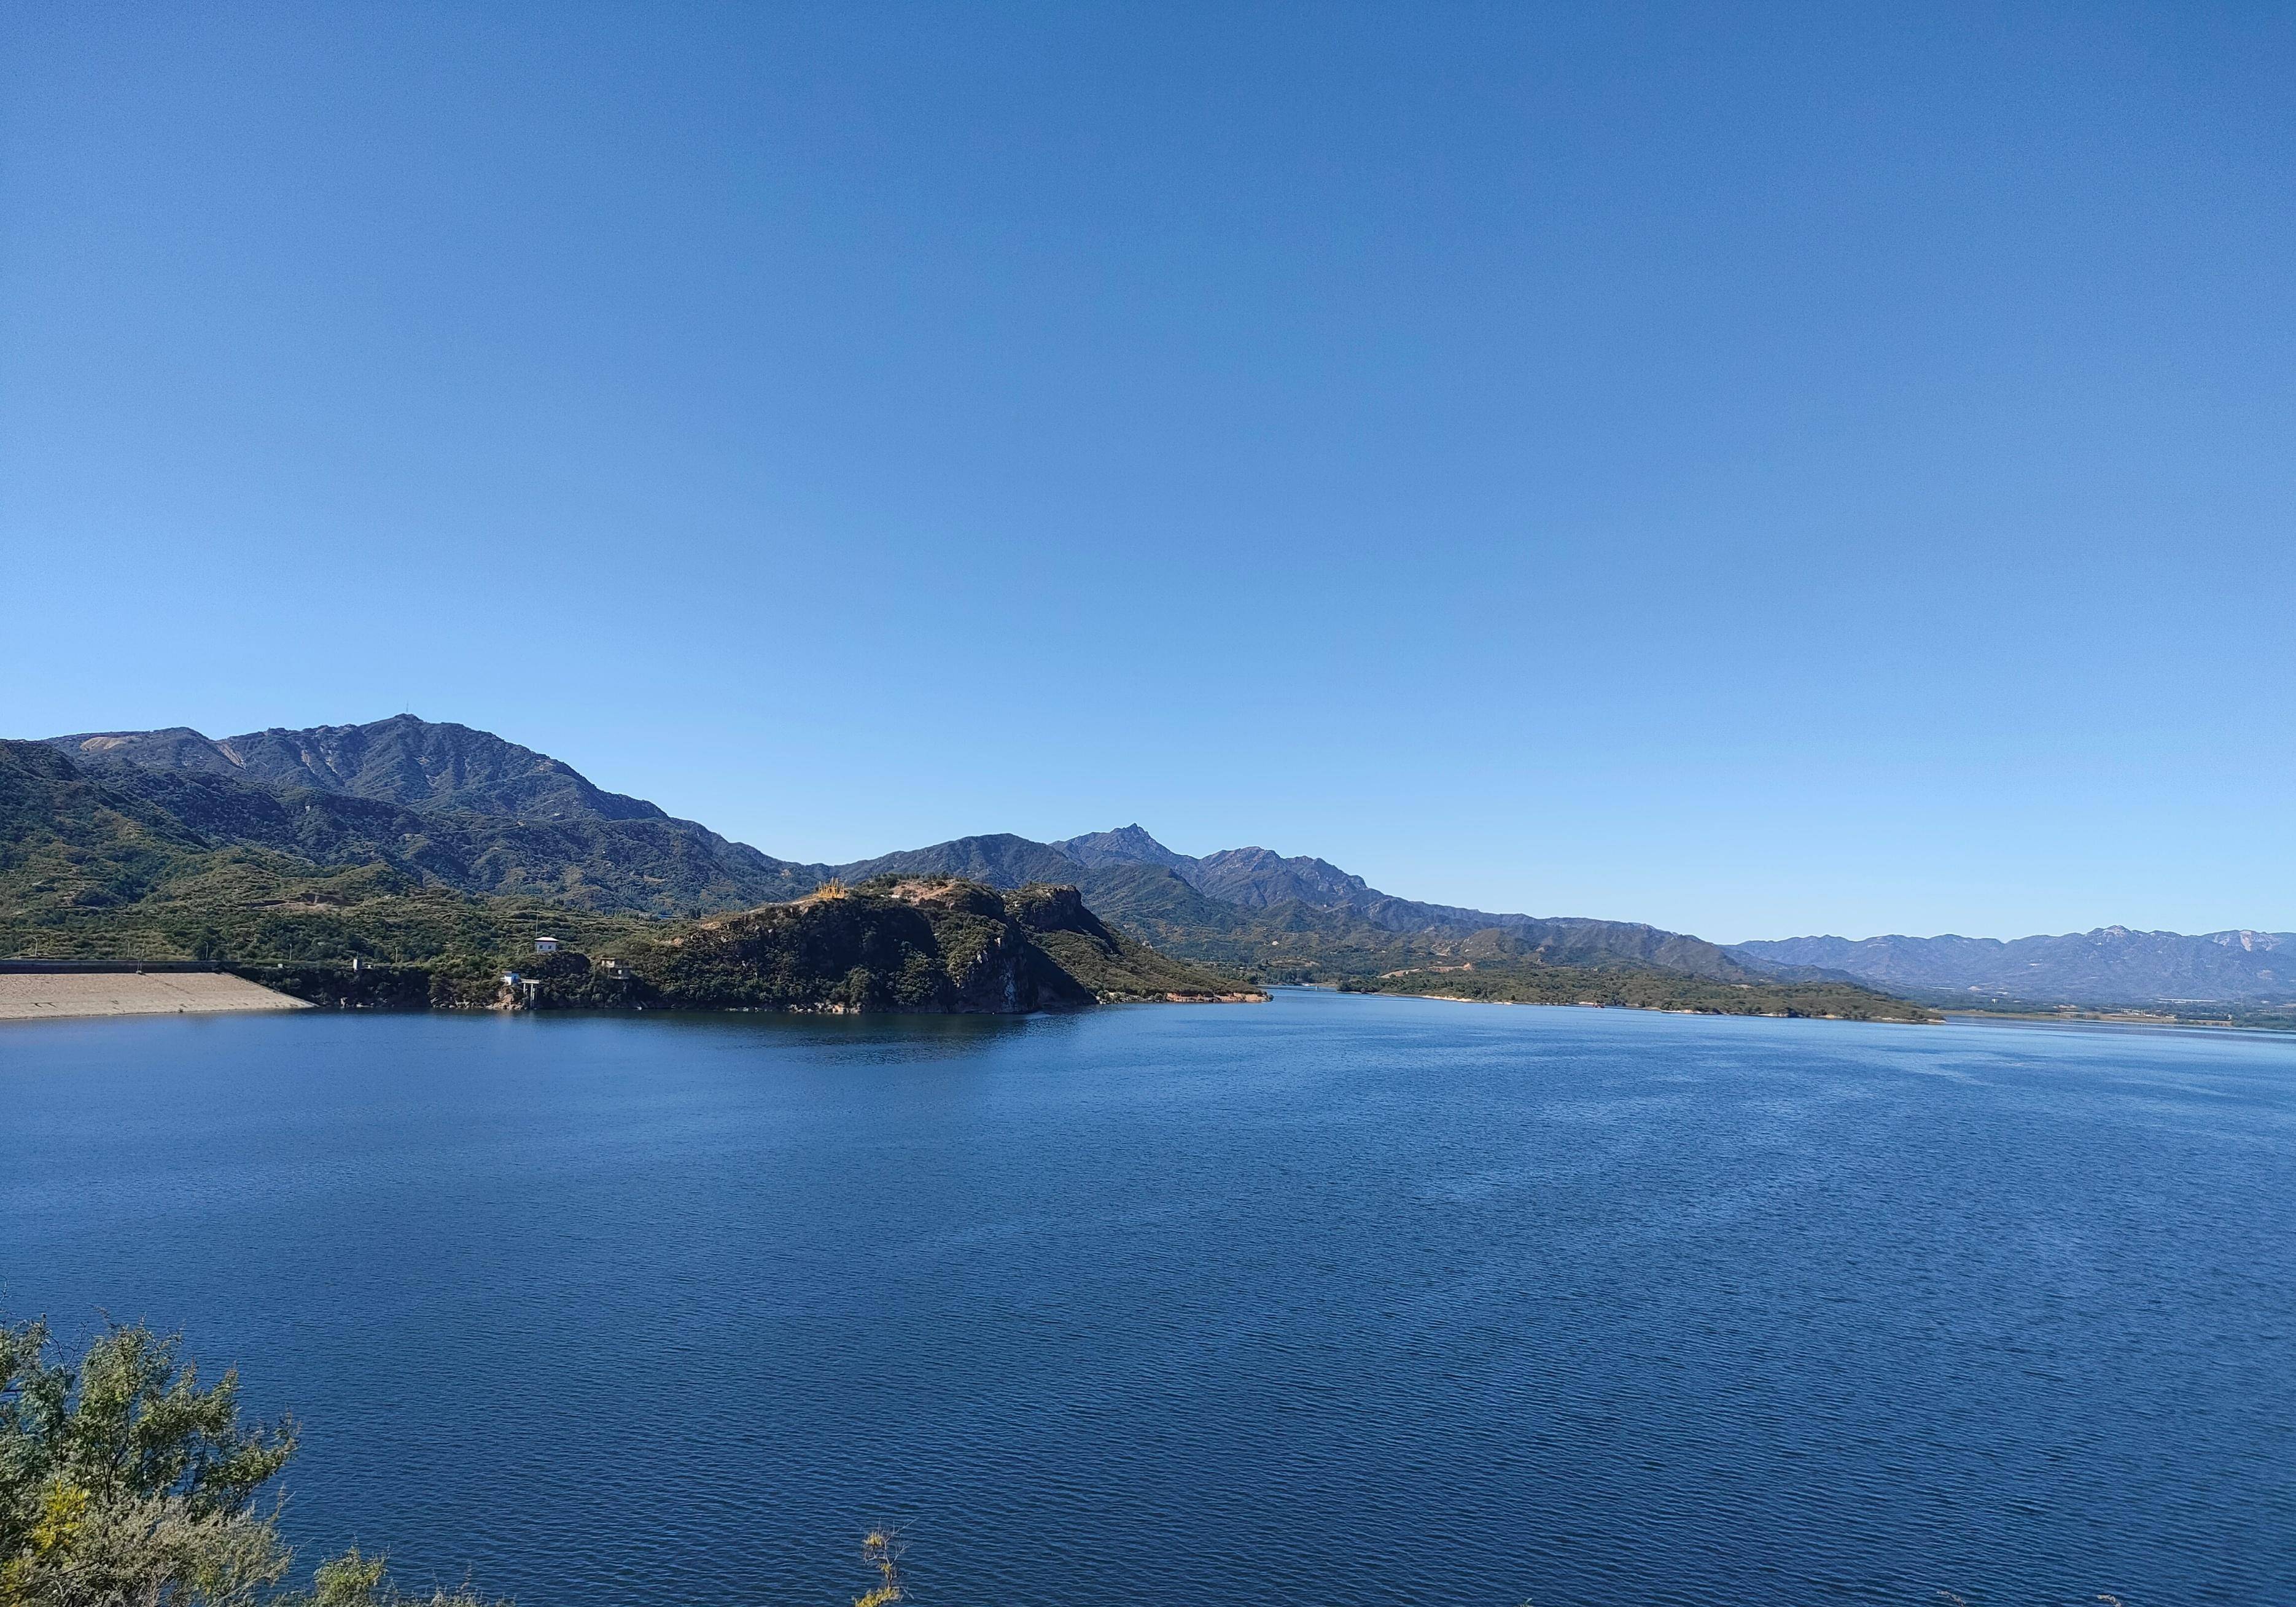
2111, 965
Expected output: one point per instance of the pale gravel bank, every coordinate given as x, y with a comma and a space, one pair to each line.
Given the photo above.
56, 994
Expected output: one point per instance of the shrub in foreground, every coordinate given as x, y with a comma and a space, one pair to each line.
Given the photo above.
126, 1482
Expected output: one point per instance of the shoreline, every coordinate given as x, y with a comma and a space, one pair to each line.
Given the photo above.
1753, 1015
2099, 1018
1943, 1017
97, 990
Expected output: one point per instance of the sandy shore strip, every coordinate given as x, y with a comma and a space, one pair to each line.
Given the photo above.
53, 996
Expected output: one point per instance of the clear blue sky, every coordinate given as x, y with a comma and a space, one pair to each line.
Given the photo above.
1759, 470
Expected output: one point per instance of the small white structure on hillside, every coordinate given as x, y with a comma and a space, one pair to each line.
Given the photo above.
546, 946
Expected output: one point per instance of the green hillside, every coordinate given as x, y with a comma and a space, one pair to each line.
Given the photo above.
1296, 942
448, 806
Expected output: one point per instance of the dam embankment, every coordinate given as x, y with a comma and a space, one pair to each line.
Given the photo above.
47, 993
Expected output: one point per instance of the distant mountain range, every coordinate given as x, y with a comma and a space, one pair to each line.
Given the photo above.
447, 807
2111, 965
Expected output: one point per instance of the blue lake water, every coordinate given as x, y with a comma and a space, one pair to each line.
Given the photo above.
1333, 1299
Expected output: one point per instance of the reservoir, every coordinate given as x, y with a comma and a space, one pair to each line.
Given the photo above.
1336, 1300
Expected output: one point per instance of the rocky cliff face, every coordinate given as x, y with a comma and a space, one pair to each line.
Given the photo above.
930, 944
940, 946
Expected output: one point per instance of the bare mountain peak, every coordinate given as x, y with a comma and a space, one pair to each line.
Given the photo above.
1136, 835
175, 747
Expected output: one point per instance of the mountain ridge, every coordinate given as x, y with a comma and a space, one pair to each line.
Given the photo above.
403, 759
1262, 878
468, 809
447, 805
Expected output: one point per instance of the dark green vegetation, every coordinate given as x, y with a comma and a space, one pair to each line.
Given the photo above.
124, 1480
1642, 989
95, 870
